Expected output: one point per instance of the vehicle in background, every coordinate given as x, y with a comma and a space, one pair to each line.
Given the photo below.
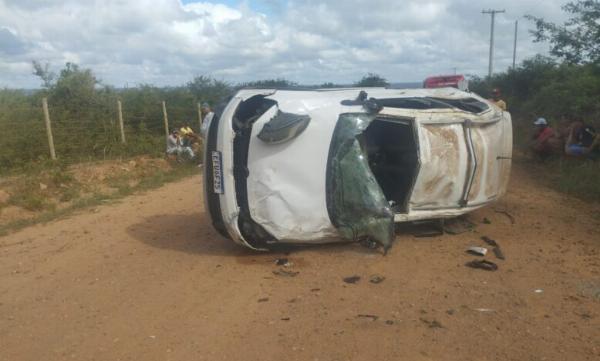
444, 81
318, 166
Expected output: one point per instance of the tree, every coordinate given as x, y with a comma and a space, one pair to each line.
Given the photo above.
577, 41
74, 87
207, 89
330, 85
269, 83
44, 73
372, 80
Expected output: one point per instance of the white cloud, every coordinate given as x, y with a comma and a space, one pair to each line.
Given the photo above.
310, 41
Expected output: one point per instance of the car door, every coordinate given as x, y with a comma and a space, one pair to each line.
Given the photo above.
464, 160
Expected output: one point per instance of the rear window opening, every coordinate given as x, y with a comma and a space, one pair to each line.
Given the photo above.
470, 105
392, 154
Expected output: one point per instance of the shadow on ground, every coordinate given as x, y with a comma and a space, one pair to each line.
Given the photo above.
189, 233
193, 233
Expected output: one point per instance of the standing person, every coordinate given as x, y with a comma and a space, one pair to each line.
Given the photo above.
496, 99
208, 116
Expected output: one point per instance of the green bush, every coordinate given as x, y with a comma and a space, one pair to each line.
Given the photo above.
84, 117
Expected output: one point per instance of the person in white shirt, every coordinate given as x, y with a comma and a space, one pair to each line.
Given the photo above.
173, 143
175, 147
209, 114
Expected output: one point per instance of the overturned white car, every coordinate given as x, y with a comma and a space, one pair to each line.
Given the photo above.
289, 166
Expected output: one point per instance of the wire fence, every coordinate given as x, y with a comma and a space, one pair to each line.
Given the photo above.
78, 131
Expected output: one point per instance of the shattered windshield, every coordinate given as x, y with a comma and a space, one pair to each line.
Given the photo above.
355, 201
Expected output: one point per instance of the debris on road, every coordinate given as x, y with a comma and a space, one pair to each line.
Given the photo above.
351, 279
458, 225
477, 251
486, 221
265, 299
497, 251
389, 322
372, 317
285, 273
283, 262
508, 215
489, 241
369, 243
376, 279
484, 310
482, 264
539, 290
432, 323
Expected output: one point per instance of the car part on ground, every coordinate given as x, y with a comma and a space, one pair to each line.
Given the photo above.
482, 264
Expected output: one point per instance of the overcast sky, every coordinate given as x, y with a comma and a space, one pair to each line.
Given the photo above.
167, 42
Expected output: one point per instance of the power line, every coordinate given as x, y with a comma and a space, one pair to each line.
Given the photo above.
493, 13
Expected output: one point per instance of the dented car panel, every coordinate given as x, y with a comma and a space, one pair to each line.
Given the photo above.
416, 154
286, 182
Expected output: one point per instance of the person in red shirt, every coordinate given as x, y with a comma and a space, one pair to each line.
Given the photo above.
544, 139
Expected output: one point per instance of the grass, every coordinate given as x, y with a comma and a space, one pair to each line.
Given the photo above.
577, 178
31, 196
40, 183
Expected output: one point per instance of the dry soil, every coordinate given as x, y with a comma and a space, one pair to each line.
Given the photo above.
149, 279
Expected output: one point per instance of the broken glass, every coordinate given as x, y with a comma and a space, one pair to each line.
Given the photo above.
355, 202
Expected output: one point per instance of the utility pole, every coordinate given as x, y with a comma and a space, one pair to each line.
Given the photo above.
120, 113
493, 13
515, 44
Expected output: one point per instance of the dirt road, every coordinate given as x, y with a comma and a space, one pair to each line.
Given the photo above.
148, 279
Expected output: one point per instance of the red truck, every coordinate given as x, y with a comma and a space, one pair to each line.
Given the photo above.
443, 81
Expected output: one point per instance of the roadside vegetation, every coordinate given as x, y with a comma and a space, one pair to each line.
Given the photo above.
561, 88
45, 191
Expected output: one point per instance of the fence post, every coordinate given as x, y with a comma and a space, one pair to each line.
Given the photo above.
200, 117
120, 109
48, 128
166, 118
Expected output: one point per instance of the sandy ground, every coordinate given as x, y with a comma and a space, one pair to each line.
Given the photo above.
149, 279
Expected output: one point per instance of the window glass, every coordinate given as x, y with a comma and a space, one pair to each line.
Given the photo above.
356, 203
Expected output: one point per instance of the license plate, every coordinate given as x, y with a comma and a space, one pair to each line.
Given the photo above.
217, 166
